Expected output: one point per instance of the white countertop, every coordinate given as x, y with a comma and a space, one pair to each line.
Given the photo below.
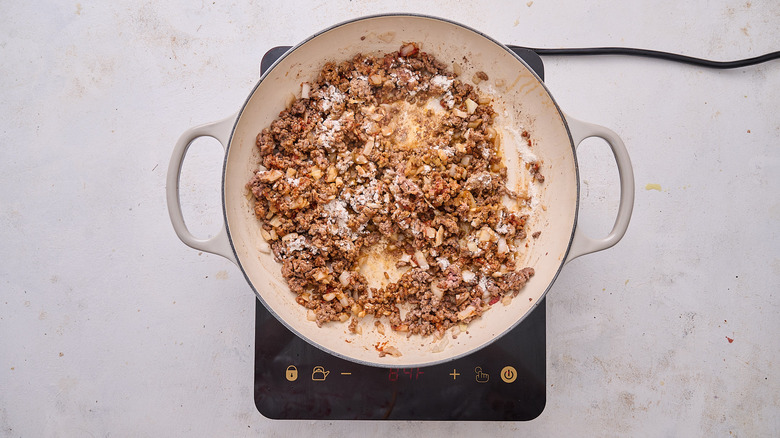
109, 325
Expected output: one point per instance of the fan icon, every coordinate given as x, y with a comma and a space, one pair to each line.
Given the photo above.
481, 377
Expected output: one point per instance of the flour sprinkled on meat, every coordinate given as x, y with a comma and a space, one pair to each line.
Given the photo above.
391, 154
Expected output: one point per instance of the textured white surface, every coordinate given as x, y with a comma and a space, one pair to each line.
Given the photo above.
110, 326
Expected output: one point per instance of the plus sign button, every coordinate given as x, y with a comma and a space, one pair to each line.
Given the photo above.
508, 374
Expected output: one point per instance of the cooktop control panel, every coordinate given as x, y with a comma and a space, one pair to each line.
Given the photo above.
503, 381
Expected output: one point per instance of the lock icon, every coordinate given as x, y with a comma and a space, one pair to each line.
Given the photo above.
319, 374
292, 373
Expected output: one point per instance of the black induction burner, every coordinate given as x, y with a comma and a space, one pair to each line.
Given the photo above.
503, 381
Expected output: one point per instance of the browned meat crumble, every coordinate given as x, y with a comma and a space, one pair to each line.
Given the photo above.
391, 154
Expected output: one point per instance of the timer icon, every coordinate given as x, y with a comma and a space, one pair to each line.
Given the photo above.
508, 374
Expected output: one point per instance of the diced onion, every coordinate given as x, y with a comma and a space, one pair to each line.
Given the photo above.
321, 276
437, 292
368, 147
439, 236
471, 106
392, 351
407, 50
467, 312
371, 128
269, 176
305, 88
289, 237
266, 235
457, 69
344, 278
419, 257
275, 221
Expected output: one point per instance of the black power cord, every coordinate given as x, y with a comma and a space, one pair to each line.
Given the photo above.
655, 54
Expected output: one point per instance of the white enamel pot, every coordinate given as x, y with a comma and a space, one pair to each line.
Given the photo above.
522, 101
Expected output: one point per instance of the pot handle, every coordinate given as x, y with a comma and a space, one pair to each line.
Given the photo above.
218, 244
581, 243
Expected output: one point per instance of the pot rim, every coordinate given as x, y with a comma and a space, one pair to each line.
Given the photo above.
450, 358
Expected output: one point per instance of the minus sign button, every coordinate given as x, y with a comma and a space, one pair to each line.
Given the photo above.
346, 374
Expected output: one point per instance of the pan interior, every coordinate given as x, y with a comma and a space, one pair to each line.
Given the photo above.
523, 104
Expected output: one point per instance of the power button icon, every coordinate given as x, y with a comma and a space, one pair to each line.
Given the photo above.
508, 374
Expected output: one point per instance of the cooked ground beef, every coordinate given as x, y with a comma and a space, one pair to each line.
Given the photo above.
390, 152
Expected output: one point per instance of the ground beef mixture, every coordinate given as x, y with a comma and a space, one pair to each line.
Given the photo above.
391, 154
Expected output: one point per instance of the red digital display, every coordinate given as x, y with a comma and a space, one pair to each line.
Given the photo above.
404, 373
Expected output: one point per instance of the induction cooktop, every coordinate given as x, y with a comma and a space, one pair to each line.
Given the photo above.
505, 381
